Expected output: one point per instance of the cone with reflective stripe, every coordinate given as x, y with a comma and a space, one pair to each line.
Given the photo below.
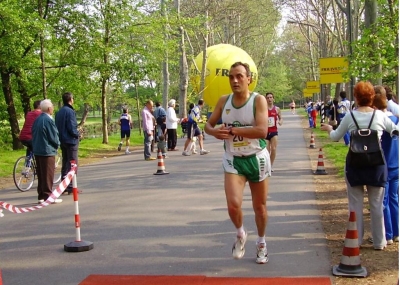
312, 141
160, 166
320, 166
350, 263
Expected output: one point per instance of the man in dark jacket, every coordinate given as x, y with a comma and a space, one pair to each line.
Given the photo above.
69, 136
45, 143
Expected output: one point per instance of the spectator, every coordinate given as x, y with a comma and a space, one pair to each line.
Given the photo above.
148, 129
390, 146
45, 143
373, 177
343, 108
172, 124
69, 136
25, 136
162, 146
160, 115
392, 107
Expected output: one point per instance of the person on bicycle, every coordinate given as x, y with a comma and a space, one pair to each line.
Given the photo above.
25, 136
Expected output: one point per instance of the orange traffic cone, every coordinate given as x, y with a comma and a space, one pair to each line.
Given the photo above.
320, 167
350, 264
161, 166
312, 141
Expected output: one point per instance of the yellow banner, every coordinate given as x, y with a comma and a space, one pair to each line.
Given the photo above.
313, 85
307, 93
310, 91
331, 69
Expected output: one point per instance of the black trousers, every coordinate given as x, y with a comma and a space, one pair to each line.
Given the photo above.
172, 138
45, 166
69, 152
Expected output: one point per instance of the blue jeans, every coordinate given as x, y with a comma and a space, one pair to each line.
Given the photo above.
391, 204
147, 145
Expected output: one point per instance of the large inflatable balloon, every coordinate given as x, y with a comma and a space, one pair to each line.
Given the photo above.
219, 60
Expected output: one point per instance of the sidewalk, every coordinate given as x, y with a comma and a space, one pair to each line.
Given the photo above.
175, 224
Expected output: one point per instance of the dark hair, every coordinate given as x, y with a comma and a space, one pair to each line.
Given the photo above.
389, 92
201, 102
342, 94
268, 93
36, 104
191, 106
245, 65
380, 101
158, 104
161, 137
364, 93
67, 97
125, 110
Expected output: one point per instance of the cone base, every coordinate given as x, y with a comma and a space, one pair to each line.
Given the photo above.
356, 272
161, 172
78, 246
320, 172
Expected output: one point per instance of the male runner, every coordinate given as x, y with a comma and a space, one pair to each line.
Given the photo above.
274, 118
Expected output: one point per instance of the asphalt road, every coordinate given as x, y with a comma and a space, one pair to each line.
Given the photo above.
176, 224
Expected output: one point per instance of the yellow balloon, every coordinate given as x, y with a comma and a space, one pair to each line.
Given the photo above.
219, 60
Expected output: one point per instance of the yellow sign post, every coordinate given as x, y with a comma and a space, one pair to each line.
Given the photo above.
331, 69
313, 86
307, 93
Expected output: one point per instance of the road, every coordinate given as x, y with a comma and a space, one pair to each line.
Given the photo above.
175, 224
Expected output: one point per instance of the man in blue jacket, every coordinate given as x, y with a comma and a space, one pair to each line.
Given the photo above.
45, 143
69, 136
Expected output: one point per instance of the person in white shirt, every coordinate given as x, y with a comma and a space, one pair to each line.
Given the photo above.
172, 124
392, 106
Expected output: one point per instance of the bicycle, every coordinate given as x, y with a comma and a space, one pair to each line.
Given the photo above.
24, 172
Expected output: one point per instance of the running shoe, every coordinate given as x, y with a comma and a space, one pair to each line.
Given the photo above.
262, 253
238, 247
127, 152
202, 152
194, 152
185, 153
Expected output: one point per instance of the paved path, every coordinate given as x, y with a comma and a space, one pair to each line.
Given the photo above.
175, 224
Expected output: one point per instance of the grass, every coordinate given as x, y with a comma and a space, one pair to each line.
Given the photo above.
335, 152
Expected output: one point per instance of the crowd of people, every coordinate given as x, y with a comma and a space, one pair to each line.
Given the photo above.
44, 135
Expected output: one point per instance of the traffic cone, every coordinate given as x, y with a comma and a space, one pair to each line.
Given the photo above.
350, 264
160, 166
320, 167
312, 141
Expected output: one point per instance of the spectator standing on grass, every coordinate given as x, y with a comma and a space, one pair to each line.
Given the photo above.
45, 143
172, 124
374, 178
25, 136
344, 107
148, 129
125, 121
393, 106
67, 126
390, 146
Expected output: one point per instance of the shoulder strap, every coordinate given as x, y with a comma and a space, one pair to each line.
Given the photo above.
354, 119
372, 118
334, 112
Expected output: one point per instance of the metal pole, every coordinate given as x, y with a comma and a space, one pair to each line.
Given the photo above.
350, 30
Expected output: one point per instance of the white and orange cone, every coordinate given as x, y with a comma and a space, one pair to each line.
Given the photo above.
160, 165
350, 263
320, 166
312, 141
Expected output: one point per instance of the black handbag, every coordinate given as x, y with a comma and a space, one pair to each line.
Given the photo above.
365, 148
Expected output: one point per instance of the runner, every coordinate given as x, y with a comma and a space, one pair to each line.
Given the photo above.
274, 117
125, 121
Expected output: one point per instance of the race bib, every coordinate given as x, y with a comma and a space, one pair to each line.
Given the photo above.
271, 121
240, 144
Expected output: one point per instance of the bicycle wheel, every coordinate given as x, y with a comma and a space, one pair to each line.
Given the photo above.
23, 175
57, 170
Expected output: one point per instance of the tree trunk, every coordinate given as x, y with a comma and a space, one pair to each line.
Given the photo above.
104, 110
25, 98
138, 108
165, 63
371, 14
12, 114
84, 115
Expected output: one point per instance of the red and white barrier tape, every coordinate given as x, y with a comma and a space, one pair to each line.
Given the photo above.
54, 195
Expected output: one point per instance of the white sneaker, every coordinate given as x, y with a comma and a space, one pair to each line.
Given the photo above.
194, 152
40, 201
238, 247
57, 201
127, 152
262, 253
185, 153
203, 151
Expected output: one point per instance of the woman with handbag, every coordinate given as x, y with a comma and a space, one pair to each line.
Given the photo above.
373, 177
